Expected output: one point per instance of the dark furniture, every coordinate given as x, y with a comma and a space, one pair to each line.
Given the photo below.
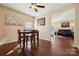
23, 37
65, 32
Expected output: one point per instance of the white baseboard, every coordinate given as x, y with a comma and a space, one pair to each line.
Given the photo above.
44, 39
4, 41
76, 46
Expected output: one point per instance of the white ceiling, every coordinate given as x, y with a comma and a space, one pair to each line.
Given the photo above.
24, 7
65, 15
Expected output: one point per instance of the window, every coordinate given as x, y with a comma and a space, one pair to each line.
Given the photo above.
28, 25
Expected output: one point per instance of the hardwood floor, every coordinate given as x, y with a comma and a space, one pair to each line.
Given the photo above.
62, 47
6, 48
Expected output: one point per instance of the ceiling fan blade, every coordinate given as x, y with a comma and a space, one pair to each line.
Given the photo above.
40, 6
36, 10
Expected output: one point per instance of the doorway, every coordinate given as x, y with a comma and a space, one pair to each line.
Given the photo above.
62, 25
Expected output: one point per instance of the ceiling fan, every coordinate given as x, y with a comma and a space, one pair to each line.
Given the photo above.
35, 6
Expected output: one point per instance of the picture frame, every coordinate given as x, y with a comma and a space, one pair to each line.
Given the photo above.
10, 20
41, 22
65, 24
13, 20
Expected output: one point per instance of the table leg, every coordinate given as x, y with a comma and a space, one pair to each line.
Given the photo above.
19, 41
26, 41
38, 39
31, 41
23, 43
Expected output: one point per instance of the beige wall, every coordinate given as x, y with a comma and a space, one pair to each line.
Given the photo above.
76, 41
1, 26
9, 32
45, 31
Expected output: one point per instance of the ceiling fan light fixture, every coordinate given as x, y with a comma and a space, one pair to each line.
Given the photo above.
34, 7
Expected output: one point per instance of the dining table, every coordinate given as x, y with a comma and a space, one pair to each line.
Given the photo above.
25, 35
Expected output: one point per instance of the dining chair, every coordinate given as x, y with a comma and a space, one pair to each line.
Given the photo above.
21, 38
34, 35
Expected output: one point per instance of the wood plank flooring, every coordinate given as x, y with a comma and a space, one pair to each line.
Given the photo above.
63, 46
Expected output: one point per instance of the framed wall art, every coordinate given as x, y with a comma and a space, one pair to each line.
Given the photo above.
65, 24
10, 20
13, 20
41, 22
